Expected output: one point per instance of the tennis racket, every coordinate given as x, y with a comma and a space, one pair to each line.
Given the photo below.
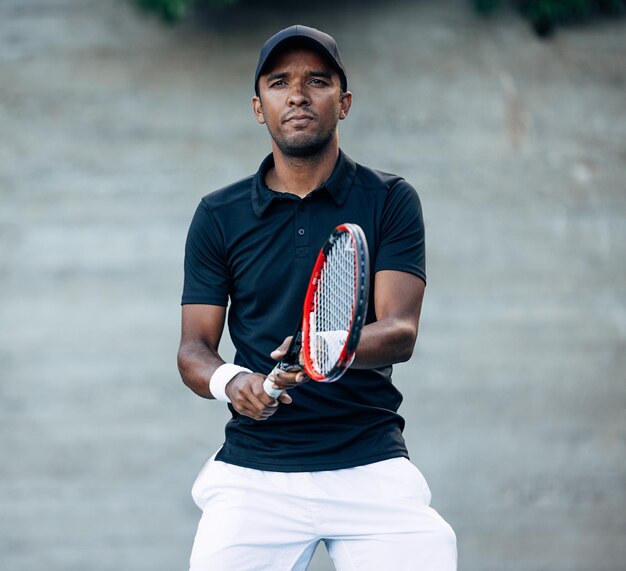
334, 311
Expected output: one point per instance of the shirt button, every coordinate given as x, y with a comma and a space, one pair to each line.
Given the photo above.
301, 232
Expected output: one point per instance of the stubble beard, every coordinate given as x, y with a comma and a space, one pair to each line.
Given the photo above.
302, 145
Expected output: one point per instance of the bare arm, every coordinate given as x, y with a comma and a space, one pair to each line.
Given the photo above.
391, 338
202, 328
198, 359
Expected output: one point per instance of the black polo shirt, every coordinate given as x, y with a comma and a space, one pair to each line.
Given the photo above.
256, 248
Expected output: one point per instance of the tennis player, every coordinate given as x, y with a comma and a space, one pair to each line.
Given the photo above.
326, 461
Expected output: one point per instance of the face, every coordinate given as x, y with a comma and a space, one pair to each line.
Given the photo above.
301, 102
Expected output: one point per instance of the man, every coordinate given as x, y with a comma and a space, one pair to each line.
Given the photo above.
324, 462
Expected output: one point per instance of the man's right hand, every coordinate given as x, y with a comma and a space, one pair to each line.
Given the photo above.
248, 397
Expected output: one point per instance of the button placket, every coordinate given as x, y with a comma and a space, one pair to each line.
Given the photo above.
303, 219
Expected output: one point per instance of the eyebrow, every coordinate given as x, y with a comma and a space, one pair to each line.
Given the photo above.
323, 74
274, 76
284, 74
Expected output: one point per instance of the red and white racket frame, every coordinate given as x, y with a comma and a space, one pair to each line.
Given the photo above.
359, 310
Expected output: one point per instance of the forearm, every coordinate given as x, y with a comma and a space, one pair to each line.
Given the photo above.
197, 362
385, 342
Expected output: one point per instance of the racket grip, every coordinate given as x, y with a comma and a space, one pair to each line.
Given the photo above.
270, 390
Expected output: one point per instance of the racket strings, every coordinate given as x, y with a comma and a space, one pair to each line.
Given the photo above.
333, 305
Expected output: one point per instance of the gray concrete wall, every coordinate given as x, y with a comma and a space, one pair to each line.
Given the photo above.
111, 129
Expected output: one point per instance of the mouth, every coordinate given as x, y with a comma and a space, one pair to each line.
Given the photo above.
299, 119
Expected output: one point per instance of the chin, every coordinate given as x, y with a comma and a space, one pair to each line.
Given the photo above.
305, 146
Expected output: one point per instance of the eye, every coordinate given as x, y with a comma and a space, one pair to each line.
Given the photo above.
278, 83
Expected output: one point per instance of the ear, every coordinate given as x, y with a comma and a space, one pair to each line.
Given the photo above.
257, 108
345, 103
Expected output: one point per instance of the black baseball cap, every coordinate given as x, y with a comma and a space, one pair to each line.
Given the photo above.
301, 36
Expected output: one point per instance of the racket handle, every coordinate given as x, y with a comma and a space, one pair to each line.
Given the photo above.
268, 387
292, 356
289, 362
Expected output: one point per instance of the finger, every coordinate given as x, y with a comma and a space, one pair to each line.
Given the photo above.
280, 379
291, 380
269, 412
252, 408
250, 412
270, 409
278, 354
262, 399
285, 398
270, 389
261, 412
280, 351
283, 380
253, 405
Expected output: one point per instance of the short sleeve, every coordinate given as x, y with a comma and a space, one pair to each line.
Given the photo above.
402, 246
207, 278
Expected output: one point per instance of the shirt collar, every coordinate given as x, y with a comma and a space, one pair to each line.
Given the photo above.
338, 184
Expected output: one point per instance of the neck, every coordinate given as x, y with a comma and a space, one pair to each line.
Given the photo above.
301, 175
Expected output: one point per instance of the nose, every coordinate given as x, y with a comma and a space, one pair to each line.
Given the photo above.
298, 95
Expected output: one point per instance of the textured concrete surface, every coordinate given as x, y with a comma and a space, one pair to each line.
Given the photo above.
113, 127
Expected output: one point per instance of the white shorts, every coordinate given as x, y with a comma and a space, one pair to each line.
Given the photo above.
373, 517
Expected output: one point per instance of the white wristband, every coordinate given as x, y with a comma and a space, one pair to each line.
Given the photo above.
222, 375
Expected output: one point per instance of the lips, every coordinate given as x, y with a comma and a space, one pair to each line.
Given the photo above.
299, 118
